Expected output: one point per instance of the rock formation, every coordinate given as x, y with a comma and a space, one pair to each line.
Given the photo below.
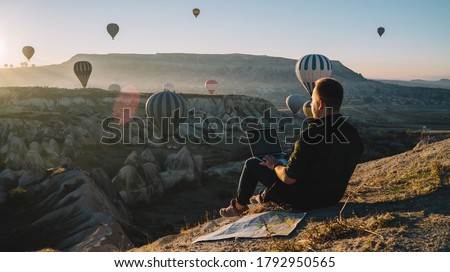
65, 209
181, 167
138, 180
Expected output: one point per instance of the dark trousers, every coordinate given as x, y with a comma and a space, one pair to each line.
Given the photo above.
252, 173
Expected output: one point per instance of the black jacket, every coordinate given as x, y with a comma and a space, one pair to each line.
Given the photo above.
322, 162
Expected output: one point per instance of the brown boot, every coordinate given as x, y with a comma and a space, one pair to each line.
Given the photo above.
231, 210
258, 199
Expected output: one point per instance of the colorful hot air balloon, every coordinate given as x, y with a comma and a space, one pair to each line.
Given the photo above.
114, 87
168, 86
112, 29
311, 68
211, 85
28, 51
82, 70
307, 109
380, 31
164, 105
196, 12
294, 102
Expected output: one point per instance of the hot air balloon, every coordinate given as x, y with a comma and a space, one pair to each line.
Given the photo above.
112, 29
311, 68
211, 85
196, 12
380, 31
307, 109
294, 103
82, 70
168, 86
28, 51
164, 105
114, 87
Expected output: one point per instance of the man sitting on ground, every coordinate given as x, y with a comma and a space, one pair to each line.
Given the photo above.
319, 168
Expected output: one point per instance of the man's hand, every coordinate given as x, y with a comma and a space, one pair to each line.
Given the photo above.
269, 162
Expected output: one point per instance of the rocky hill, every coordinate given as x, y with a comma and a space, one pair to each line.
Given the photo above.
272, 78
188, 72
442, 83
58, 179
398, 203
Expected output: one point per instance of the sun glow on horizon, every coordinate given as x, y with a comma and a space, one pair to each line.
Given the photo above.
2, 49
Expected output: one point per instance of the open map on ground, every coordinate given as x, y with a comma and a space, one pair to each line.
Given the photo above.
267, 224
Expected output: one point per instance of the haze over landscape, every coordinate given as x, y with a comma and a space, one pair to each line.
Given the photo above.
414, 45
59, 179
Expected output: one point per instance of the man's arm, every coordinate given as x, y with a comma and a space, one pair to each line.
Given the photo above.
273, 164
281, 174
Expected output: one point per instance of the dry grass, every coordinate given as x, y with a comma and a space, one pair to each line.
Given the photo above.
394, 204
321, 235
441, 171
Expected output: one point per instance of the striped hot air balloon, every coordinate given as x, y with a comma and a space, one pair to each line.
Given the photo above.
311, 68
82, 70
164, 105
112, 29
211, 85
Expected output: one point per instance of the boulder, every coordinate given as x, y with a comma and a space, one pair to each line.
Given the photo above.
102, 180
181, 166
32, 177
16, 145
147, 156
182, 160
131, 186
13, 162
8, 180
137, 181
153, 178
33, 160
133, 159
70, 147
66, 163
107, 237
198, 160
35, 146
51, 148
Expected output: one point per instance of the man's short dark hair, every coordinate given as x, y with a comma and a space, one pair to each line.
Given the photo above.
331, 92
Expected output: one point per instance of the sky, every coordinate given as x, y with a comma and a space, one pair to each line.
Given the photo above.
415, 45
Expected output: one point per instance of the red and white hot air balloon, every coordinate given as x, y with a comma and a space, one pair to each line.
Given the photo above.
211, 85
